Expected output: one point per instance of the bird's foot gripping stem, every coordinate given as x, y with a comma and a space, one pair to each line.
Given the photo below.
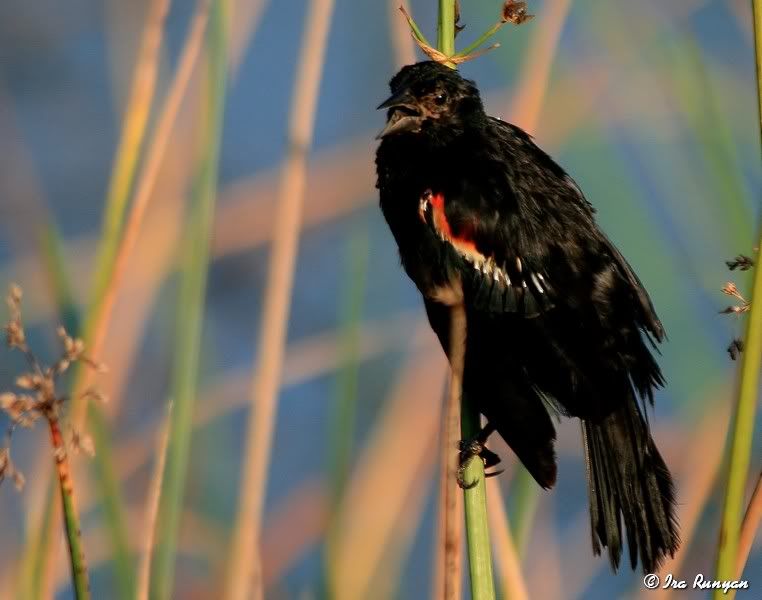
470, 449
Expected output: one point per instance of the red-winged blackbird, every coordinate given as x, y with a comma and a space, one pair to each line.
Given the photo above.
557, 321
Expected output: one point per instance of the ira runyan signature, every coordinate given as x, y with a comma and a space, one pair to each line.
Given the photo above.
652, 582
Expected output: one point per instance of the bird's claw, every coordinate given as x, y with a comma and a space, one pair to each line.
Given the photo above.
470, 449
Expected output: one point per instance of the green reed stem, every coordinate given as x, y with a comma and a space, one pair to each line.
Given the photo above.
475, 498
446, 29
748, 387
97, 425
191, 308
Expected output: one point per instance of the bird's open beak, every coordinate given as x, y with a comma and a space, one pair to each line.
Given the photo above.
404, 114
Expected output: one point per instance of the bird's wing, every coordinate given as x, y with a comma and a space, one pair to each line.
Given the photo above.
526, 241
496, 276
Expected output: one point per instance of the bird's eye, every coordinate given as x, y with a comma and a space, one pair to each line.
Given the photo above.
440, 99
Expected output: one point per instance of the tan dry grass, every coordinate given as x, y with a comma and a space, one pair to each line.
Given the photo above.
245, 574
398, 453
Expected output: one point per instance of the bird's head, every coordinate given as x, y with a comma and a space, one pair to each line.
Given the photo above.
428, 96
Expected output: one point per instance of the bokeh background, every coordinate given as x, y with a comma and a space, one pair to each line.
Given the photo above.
650, 105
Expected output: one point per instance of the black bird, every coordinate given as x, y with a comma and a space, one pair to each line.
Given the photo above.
557, 321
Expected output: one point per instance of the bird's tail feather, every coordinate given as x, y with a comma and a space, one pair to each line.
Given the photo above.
629, 484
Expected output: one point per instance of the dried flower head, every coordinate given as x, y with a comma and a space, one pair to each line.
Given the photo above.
515, 12
735, 349
95, 395
730, 289
81, 443
20, 408
14, 331
42, 400
8, 469
740, 262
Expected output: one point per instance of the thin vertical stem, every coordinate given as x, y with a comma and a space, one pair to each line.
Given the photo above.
475, 498
191, 306
71, 518
449, 556
475, 501
152, 510
402, 41
245, 568
345, 404
126, 162
446, 29
508, 562
751, 521
146, 184
127, 157
743, 425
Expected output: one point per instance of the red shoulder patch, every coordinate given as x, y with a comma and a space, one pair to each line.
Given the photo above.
460, 241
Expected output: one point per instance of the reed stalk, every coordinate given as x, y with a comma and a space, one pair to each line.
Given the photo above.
79, 576
244, 578
474, 498
748, 388
191, 305
126, 160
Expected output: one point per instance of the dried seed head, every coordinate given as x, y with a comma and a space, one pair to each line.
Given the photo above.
740, 262
98, 367
20, 408
735, 310
15, 337
81, 443
94, 394
7, 469
29, 381
730, 289
515, 12
15, 294
25, 409
6, 400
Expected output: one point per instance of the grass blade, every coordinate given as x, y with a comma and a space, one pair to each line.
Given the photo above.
125, 164
33, 581
79, 574
191, 308
748, 388
244, 556
152, 510
97, 425
127, 158
447, 569
526, 496
474, 498
512, 582
751, 521
345, 405
742, 428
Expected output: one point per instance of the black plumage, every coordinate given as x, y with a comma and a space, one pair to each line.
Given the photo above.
557, 321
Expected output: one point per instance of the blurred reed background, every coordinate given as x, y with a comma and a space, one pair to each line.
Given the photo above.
141, 141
